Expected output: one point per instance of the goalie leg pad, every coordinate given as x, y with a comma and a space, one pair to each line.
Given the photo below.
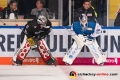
78, 39
22, 52
75, 49
96, 52
72, 53
45, 53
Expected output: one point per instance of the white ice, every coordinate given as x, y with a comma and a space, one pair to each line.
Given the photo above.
39, 72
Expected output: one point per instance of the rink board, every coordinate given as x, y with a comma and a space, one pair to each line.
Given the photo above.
59, 42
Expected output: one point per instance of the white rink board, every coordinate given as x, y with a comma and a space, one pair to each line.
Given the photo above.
61, 37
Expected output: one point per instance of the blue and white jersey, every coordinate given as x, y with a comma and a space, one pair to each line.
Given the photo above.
93, 29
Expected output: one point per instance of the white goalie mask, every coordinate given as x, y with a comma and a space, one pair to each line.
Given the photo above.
83, 19
41, 19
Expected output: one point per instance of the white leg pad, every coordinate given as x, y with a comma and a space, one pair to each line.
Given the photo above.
21, 47
96, 51
78, 39
74, 50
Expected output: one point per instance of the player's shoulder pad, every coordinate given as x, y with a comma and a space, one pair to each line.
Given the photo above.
49, 23
30, 21
76, 22
91, 22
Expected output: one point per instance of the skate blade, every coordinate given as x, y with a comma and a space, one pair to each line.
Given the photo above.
15, 64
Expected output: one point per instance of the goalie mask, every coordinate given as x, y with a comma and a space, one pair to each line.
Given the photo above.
41, 19
83, 20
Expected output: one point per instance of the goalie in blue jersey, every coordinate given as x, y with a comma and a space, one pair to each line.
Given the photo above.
84, 32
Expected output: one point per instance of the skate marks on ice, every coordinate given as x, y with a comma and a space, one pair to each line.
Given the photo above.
38, 72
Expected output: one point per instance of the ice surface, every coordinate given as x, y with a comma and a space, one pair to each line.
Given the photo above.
39, 72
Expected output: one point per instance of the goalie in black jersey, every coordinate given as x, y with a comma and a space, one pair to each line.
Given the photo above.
32, 37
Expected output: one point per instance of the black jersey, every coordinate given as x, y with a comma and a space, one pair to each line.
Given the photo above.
32, 28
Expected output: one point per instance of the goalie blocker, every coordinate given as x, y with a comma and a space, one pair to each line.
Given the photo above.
42, 48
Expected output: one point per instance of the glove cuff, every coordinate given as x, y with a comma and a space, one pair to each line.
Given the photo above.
91, 38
